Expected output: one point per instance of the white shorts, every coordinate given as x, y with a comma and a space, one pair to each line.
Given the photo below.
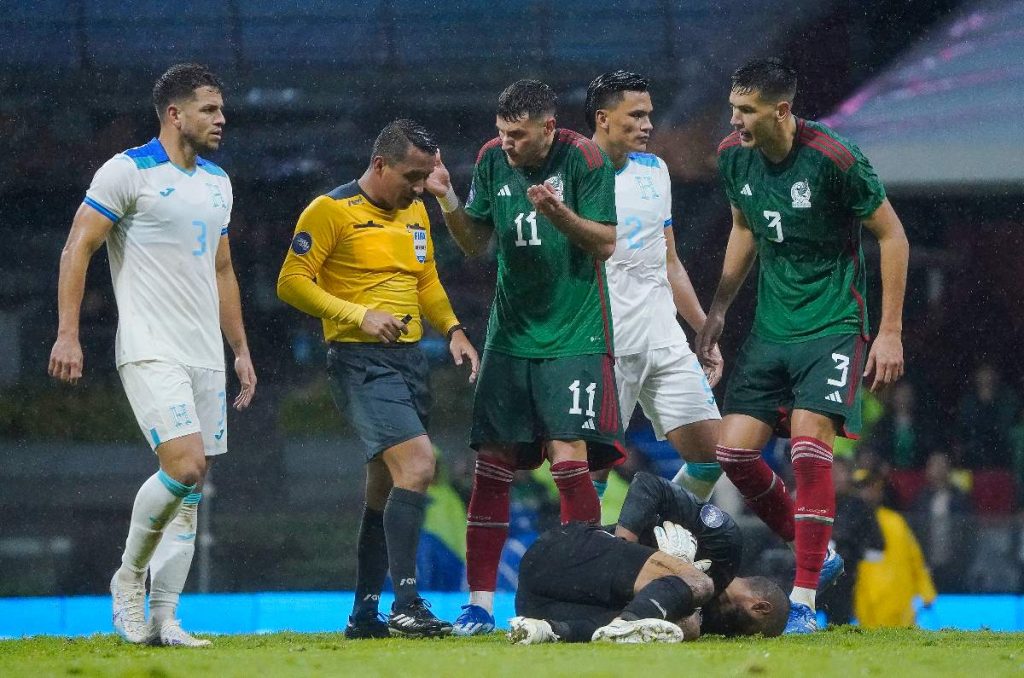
171, 400
670, 385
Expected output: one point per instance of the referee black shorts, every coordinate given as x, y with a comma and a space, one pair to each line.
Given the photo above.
384, 389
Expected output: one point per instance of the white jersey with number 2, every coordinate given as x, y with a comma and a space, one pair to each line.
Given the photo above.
163, 250
643, 313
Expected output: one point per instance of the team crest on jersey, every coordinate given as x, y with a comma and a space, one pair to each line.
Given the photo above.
302, 242
801, 194
557, 185
216, 197
472, 192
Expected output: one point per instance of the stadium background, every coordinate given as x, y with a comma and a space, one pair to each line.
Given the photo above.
930, 90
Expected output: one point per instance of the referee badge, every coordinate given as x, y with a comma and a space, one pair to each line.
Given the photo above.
302, 242
419, 244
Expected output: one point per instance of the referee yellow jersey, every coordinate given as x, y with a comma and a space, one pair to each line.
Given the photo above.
349, 255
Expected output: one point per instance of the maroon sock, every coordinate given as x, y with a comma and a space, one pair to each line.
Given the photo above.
764, 492
487, 522
579, 498
815, 507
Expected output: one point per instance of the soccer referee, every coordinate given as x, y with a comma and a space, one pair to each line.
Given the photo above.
362, 260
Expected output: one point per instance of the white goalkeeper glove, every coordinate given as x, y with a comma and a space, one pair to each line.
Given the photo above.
676, 541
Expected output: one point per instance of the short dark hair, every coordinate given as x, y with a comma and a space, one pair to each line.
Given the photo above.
526, 99
394, 140
774, 623
607, 89
772, 79
179, 82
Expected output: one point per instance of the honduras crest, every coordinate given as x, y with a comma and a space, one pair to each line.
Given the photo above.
801, 194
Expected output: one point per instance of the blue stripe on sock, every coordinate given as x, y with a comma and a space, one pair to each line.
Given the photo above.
173, 486
193, 498
708, 472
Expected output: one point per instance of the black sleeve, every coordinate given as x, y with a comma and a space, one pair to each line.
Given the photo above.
652, 500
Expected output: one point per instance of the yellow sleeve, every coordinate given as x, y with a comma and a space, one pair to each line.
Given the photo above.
433, 300
923, 584
316, 235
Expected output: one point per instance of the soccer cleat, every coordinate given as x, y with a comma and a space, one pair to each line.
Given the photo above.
170, 634
359, 628
527, 631
831, 569
129, 603
801, 619
473, 621
639, 631
417, 621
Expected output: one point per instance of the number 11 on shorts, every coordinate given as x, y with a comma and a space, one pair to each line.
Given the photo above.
574, 387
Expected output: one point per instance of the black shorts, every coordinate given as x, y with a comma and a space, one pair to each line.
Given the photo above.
384, 390
577, 571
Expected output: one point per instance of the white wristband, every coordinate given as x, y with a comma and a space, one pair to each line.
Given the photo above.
449, 202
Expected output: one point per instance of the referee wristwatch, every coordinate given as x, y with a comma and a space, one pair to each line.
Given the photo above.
455, 329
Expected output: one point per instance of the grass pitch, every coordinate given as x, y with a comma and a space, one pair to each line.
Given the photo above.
844, 651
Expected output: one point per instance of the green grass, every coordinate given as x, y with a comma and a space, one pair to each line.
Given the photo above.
838, 652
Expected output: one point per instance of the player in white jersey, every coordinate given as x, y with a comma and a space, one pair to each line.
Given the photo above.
163, 211
648, 286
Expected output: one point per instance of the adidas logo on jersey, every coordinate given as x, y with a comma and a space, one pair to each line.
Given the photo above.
589, 425
505, 191
746, 190
835, 397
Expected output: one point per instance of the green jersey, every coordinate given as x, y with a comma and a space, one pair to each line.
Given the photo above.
551, 299
805, 214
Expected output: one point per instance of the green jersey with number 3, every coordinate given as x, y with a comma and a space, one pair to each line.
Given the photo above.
551, 298
805, 213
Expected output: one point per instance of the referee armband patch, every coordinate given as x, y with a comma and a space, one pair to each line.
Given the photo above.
711, 515
302, 242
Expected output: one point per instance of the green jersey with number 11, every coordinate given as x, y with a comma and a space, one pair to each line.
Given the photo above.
805, 214
551, 298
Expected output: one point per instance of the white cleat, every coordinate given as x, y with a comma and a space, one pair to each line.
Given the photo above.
639, 631
171, 634
129, 602
527, 631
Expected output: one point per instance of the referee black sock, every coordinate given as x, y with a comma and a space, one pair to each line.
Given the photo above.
668, 598
403, 518
371, 563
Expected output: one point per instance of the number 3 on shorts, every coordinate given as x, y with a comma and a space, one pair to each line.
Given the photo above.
843, 365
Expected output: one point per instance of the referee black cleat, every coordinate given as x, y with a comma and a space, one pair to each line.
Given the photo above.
367, 627
417, 621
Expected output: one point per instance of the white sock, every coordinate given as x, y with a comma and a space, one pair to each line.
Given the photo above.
701, 489
155, 505
484, 599
802, 595
169, 567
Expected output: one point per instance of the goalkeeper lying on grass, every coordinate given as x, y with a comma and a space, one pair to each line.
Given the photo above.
579, 582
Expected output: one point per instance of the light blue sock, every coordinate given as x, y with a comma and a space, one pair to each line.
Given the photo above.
699, 478
600, 486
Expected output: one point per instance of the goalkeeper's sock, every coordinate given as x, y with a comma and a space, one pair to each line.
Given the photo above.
371, 563
668, 598
403, 519
487, 522
763, 491
172, 560
576, 491
156, 504
699, 478
815, 508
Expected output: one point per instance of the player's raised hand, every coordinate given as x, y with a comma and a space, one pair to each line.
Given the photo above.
676, 541
440, 181
707, 339
462, 349
247, 380
383, 326
66, 360
714, 366
885, 360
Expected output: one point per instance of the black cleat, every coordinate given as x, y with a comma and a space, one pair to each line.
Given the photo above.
367, 627
417, 621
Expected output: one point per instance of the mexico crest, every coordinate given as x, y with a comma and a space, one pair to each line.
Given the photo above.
801, 194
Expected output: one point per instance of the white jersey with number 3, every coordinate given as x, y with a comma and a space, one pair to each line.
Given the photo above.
643, 313
163, 250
